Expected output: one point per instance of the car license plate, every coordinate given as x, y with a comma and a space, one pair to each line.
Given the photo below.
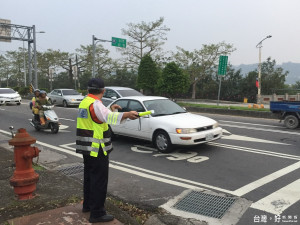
209, 136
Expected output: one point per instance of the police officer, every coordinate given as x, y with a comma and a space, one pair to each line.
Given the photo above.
94, 142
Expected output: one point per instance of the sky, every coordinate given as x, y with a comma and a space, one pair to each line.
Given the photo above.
243, 23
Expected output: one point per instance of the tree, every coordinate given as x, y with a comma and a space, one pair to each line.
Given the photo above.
123, 76
231, 85
144, 39
4, 72
201, 63
248, 86
15, 67
173, 80
272, 77
296, 85
147, 74
104, 65
54, 59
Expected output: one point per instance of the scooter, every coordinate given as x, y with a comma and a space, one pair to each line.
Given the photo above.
51, 120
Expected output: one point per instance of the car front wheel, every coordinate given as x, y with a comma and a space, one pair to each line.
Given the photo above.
162, 142
65, 103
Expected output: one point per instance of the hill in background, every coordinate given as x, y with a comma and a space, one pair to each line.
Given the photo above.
293, 68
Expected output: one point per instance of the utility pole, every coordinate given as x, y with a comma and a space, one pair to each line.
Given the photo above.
259, 45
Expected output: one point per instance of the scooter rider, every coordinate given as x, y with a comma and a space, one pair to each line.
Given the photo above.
35, 110
94, 142
42, 100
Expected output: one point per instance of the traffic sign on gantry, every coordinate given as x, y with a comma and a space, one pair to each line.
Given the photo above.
118, 42
222, 65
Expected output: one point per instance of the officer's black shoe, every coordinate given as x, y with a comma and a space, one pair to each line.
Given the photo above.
105, 218
84, 210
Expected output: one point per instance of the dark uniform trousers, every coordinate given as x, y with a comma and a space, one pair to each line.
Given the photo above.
95, 183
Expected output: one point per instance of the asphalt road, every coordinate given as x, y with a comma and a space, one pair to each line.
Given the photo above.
257, 160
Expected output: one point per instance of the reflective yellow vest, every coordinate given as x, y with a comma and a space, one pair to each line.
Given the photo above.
92, 135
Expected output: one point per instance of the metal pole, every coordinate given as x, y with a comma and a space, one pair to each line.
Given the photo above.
34, 57
259, 45
25, 83
29, 57
259, 77
94, 52
220, 81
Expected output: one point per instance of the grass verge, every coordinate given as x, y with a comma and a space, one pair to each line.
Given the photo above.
223, 107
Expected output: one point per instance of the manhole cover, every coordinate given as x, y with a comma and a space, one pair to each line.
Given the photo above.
205, 204
71, 169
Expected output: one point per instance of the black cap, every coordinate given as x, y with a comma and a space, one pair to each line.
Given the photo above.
96, 83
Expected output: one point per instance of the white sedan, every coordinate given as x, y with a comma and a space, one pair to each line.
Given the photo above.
9, 96
169, 125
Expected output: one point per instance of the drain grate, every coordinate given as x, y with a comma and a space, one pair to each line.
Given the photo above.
71, 170
205, 204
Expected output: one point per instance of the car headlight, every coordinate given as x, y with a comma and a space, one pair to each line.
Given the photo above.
216, 125
185, 130
72, 100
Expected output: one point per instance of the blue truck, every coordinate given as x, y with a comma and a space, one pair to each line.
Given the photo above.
289, 111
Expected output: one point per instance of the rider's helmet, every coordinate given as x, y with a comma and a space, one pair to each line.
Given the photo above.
36, 90
43, 92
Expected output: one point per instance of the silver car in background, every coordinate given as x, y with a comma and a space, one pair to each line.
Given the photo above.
65, 97
112, 93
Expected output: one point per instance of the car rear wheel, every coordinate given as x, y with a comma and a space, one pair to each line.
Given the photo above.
65, 103
291, 122
162, 142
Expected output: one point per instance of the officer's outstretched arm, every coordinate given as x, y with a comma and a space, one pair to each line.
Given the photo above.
130, 115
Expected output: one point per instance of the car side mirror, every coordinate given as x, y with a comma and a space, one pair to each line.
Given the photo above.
114, 98
59, 94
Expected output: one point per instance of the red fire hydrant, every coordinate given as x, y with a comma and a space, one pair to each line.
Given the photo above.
25, 178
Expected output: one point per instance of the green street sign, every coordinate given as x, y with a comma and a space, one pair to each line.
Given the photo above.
118, 42
222, 64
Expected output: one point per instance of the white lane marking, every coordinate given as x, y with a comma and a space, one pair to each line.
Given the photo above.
279, 200
264, 180
66, 119
254, 124
257, 151
261, 129
245, 138
2, 109
68, 147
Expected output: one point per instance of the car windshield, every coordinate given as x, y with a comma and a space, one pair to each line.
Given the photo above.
126, 93
7, 91
163, 107
70, 92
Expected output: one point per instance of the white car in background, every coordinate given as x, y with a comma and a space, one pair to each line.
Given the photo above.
9, 96
169, 125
